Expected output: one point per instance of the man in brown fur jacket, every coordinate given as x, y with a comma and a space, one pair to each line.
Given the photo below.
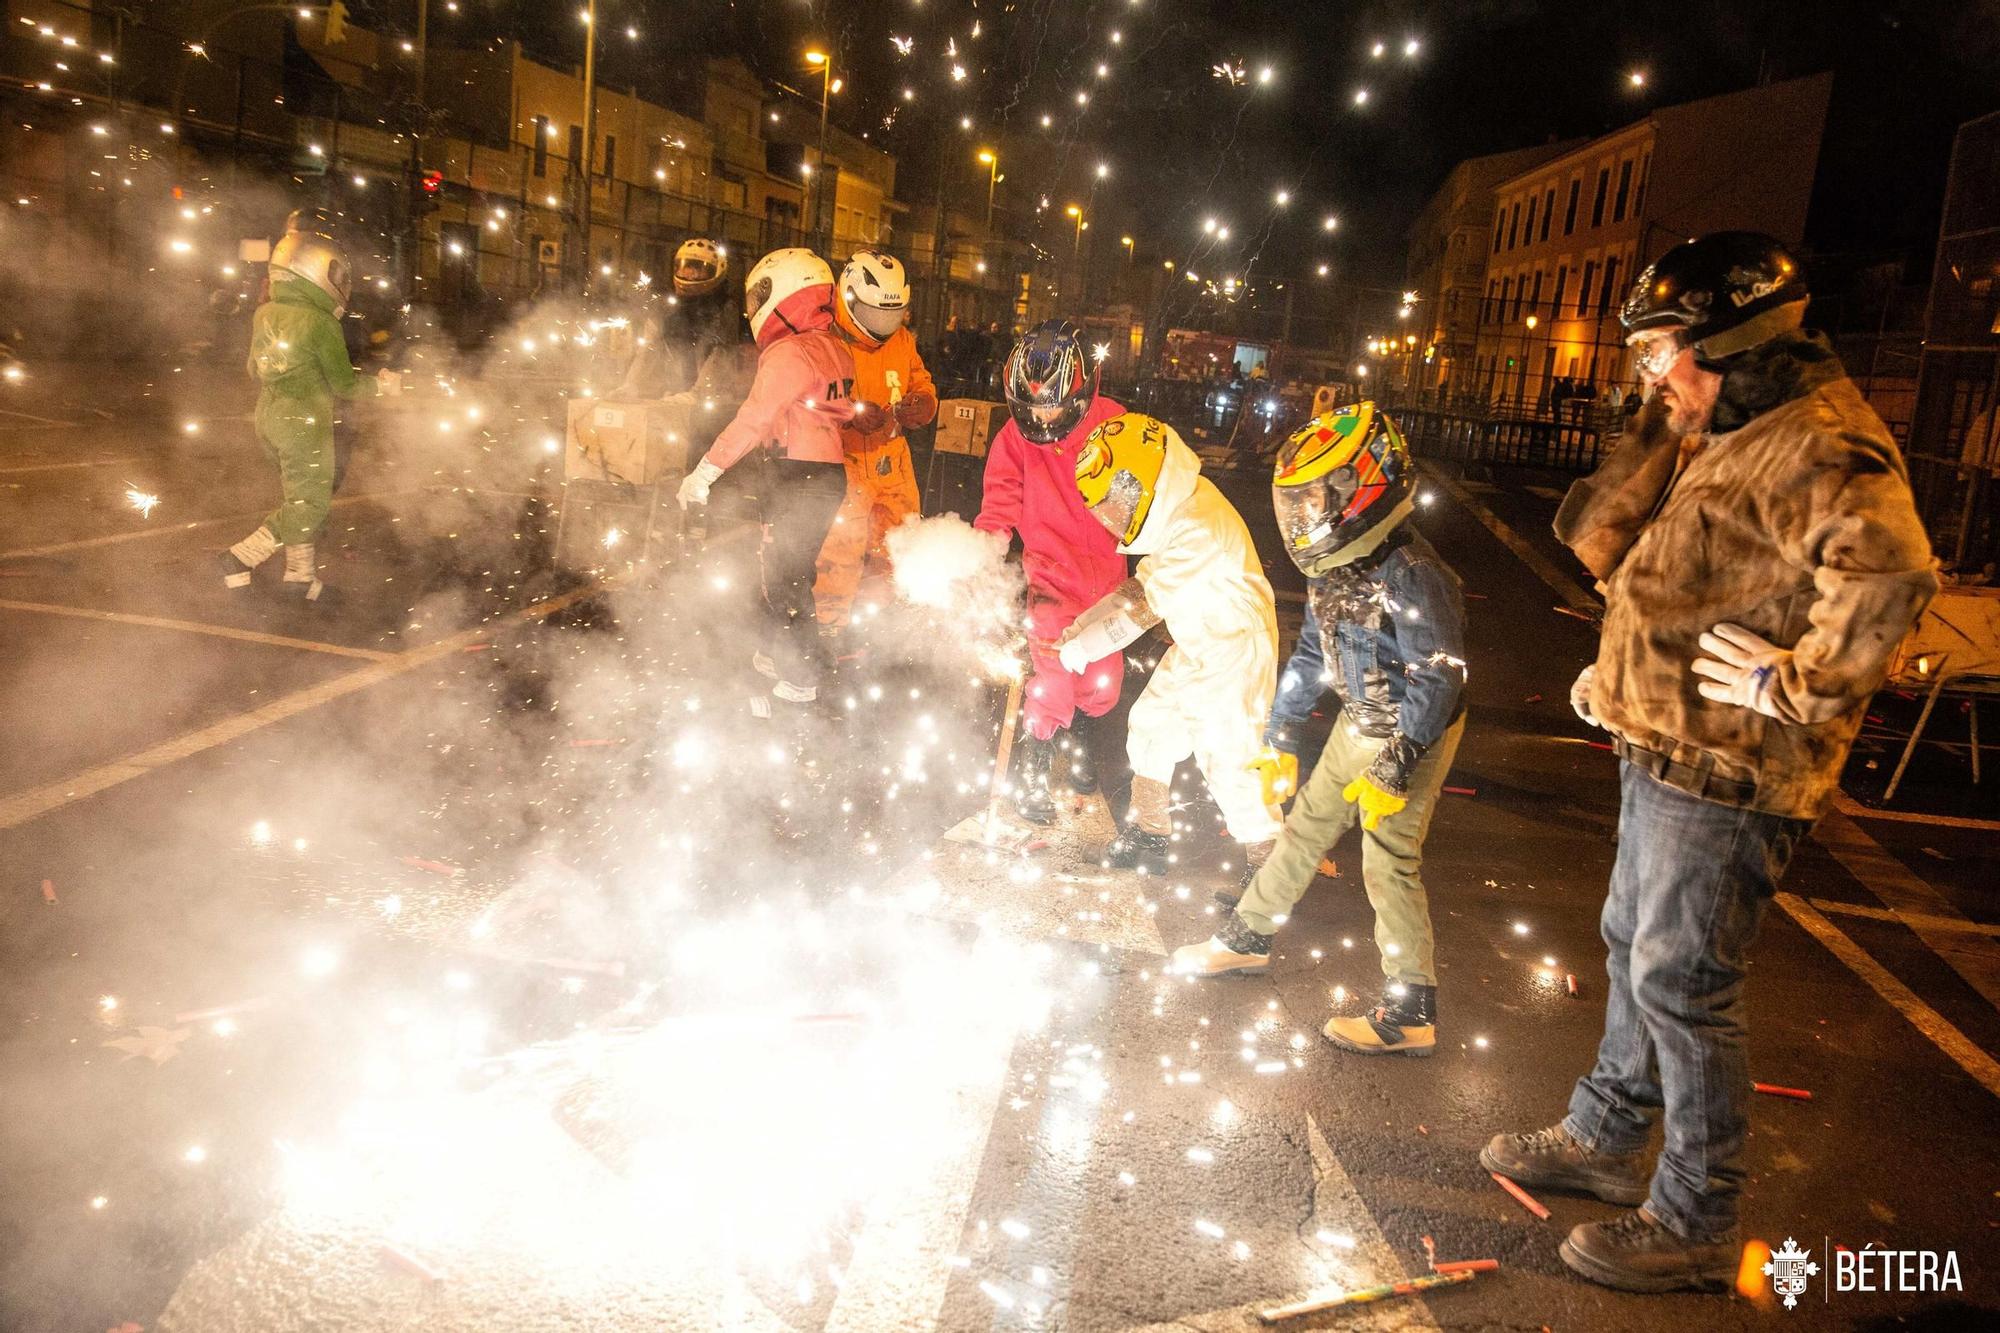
1760, 558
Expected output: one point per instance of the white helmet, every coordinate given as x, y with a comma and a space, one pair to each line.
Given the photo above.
699, 267
301, 254
792, 284
874, 294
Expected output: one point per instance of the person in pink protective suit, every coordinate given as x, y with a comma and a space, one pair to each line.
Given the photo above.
797, 404
1070, 560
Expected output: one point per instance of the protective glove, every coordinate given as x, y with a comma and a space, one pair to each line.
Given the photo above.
1278, 772
918, 409
1579, 695
1740, 667
1384, 789
694, 486
388, 383
1119, 617
1376, 804
869, 417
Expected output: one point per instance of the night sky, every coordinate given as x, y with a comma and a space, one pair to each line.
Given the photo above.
1184, 144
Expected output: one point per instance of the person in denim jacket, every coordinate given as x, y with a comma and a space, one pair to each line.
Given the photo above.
1387, 633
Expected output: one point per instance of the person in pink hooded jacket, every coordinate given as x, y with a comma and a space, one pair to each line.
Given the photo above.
1070, 560
801, 397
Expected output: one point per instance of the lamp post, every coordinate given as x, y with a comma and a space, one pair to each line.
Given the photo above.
583, 198
991, 161
1075, 213
822, 62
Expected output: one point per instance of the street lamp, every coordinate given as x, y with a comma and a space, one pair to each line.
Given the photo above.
1126, 241
823, 63
1075, 213
991, 161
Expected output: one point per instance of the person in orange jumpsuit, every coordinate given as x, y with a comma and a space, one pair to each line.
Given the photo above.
892, 393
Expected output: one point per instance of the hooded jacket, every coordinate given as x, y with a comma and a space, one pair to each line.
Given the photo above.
1791, 517
1070, 560
1198, 567
801, 396
296, 350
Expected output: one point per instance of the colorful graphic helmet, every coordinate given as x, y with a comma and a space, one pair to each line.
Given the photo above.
1342, 484
699, 267
1049, 382
874, 296
1118, 471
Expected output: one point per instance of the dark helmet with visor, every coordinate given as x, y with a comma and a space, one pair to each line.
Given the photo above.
1343, 482
1049, 381
1722, 294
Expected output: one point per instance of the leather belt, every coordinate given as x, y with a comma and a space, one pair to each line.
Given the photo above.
1698, 779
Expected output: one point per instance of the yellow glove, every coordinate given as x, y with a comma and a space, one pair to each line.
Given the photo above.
1278, 771
1376, 804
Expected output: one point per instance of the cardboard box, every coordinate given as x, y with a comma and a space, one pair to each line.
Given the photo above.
967, 425
636, 443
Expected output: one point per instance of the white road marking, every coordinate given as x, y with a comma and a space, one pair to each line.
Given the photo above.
30, 416
35, 802
1853, 809
1915, 904
195, 627
1946, 925
170, 529
62, 467
1540, 565
1925, 1019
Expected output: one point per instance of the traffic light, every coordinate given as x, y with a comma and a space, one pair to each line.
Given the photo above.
433, 182
430, 187
336, 22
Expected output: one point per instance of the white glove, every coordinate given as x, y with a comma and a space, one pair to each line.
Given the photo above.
388, 383
1105, 628
694, 486
1579, 695
1739, 668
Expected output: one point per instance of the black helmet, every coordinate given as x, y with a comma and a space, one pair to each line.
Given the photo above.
1049, 382
1723, 293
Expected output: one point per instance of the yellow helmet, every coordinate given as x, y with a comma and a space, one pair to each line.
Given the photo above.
1342, 483
1118, 471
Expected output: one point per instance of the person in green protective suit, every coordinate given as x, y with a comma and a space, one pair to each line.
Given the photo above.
299, 360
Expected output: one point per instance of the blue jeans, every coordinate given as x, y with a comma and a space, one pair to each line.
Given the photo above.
1301, 681
1687, 892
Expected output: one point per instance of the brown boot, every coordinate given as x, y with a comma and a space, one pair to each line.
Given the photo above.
1637, 1252
1551, 1159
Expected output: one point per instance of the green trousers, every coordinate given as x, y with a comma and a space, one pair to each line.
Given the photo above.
298, 434
1391, 855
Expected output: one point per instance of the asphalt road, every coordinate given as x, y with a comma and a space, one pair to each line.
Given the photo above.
468, 956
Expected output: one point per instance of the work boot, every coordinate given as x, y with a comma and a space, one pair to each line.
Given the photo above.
301, 582
795, 662
1233, 949
1637, 1252
1032, 801
1136, 849
1079, 766
1551, 1159
762, 664
1404, 1024
246, 555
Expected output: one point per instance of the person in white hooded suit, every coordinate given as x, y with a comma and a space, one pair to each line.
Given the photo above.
1212, 690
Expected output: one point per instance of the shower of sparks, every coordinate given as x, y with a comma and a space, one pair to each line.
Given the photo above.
904, 45
1232, 73
142, 502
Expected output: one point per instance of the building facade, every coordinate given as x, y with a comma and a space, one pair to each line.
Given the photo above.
1568, 234
1447, 263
